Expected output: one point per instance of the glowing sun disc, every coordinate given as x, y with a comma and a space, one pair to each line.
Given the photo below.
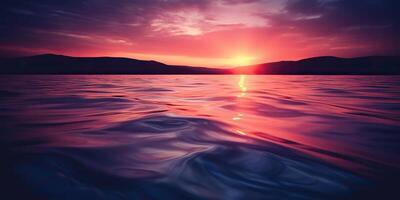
241, 60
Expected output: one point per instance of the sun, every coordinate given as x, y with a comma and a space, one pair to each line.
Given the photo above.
241, 60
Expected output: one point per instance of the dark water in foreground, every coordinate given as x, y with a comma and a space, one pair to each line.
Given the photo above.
199, 137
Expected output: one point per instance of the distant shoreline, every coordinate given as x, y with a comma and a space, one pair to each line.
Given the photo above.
50, 64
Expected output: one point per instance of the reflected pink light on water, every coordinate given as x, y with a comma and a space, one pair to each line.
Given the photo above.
242, 89
242, 86
238, 132
241, 132
299, 112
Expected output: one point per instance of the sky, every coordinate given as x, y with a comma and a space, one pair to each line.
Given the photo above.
212, 33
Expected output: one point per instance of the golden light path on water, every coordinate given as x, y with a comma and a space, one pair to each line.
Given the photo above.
242, 87
243, 90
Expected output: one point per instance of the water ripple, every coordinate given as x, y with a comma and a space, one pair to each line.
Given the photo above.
199, 137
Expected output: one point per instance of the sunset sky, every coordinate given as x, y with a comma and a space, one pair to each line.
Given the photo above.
201, 32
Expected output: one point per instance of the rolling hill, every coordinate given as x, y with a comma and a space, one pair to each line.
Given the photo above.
328, 65
59, 64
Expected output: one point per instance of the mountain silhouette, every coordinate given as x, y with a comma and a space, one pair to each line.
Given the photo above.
59, 64
327, 65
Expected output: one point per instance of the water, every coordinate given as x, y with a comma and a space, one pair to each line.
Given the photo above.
200, 137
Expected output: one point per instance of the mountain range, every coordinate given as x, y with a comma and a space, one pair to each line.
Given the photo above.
327, 65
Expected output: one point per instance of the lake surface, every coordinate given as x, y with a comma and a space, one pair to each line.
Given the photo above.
200, 137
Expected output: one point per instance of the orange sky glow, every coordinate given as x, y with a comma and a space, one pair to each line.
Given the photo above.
220, 33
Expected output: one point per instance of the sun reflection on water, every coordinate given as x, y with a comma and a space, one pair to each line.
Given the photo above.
243, 90
240, 132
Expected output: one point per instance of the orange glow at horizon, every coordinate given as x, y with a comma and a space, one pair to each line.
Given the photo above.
219, 62
241, 60
215, 34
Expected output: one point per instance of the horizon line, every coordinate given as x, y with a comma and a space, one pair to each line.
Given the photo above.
212, 67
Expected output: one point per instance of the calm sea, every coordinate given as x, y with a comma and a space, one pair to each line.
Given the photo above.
199, 137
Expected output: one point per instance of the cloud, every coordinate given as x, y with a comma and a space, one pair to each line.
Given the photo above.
272, 29
371, 23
